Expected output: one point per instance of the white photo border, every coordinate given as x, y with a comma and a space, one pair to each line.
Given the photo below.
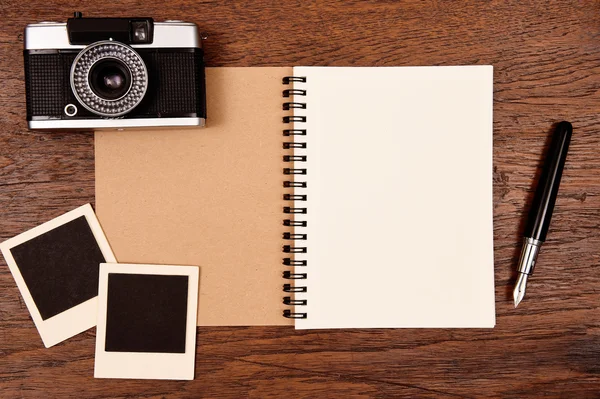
78, 318
159, 366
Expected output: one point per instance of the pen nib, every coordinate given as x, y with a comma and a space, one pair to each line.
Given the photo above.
519, 292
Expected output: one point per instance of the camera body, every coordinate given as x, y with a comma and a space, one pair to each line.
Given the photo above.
114, 73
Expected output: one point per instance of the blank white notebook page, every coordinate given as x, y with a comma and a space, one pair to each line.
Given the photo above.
399, 197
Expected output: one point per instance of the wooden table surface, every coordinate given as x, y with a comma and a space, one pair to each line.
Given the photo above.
546, 58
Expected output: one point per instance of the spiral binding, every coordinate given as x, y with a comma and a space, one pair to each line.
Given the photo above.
295, 209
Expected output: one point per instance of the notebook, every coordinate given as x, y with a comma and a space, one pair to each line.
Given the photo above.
324, 197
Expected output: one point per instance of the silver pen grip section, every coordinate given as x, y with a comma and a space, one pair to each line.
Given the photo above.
529, 254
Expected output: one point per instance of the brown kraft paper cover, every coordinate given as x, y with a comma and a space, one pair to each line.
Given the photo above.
210, 197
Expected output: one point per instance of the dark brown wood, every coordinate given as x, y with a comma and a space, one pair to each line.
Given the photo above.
546, 57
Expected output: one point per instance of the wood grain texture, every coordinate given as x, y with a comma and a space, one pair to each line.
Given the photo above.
546, 56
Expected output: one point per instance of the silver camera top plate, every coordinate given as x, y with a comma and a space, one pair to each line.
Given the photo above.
54, 36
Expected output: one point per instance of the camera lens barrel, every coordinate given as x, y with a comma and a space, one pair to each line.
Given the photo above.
109, 78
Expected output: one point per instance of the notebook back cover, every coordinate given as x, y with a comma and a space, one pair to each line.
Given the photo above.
210, 197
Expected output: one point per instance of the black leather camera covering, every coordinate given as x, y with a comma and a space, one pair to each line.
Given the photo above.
176, 86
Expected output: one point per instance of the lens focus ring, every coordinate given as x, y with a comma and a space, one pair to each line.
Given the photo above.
97, 52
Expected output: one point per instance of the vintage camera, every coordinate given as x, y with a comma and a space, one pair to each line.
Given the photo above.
95, 73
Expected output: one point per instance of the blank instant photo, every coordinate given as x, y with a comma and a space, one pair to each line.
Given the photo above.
146, 321
55, 266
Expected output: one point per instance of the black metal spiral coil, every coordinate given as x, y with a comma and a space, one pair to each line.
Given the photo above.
295, 209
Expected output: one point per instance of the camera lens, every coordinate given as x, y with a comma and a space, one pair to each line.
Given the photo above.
110, 79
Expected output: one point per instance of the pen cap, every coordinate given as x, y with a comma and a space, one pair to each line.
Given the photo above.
547, 189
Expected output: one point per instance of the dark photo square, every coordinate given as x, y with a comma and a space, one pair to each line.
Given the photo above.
146, 313
60, 267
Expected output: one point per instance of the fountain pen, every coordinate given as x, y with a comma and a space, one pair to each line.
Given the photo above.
542, 206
